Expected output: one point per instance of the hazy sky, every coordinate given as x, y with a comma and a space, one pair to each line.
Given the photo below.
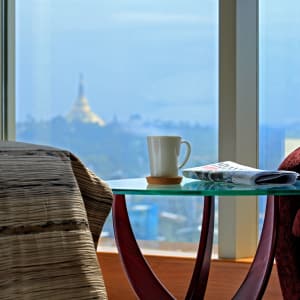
155, 58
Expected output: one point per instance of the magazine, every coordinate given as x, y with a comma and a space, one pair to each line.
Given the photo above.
232, 172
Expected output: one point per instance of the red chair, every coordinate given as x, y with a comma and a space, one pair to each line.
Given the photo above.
280, 237
288, 239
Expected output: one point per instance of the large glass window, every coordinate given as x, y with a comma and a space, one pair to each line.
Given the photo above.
279, 81
97, 77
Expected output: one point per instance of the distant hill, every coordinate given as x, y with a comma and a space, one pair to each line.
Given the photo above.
118, 149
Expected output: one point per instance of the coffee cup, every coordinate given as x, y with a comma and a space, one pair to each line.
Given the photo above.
164, 154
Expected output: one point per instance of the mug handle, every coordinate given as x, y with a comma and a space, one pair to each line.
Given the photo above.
187, 154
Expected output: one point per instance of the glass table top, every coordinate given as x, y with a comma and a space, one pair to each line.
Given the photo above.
192, 187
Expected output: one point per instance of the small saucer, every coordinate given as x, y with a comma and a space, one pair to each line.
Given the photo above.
163, 180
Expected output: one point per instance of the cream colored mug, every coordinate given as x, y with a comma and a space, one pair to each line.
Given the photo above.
164, 153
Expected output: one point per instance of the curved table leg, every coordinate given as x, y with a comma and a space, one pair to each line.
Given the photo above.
258, 275
145, 284
199, 279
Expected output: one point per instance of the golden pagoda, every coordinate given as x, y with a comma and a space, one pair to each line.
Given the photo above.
81, 110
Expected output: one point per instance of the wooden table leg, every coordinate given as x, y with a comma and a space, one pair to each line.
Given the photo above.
145, 284
199, 279
258, 275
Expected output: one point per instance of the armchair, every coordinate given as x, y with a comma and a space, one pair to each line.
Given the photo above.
52, 210
288, 239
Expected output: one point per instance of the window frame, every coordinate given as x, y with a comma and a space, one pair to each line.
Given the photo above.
238, 120
7, 73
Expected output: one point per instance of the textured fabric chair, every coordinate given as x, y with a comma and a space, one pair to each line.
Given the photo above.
52, 210
288, 239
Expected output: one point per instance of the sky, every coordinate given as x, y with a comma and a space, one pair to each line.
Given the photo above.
154, 58
148, 58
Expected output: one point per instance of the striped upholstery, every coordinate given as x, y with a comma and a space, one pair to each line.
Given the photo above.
52, 210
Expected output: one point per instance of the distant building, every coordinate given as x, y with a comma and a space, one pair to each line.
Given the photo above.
81, 110
291, 144
271, 147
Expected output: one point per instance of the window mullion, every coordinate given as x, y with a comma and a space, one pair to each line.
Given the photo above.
238, 119
7, 74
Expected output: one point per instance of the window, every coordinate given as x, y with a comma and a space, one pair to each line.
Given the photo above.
279, 78
279, 81
96, 77
43, 97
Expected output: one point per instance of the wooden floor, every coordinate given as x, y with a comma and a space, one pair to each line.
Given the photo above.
224, 278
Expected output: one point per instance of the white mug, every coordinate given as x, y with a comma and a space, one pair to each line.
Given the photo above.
164, 153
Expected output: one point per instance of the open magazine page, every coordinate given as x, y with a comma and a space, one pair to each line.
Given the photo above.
232, 172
